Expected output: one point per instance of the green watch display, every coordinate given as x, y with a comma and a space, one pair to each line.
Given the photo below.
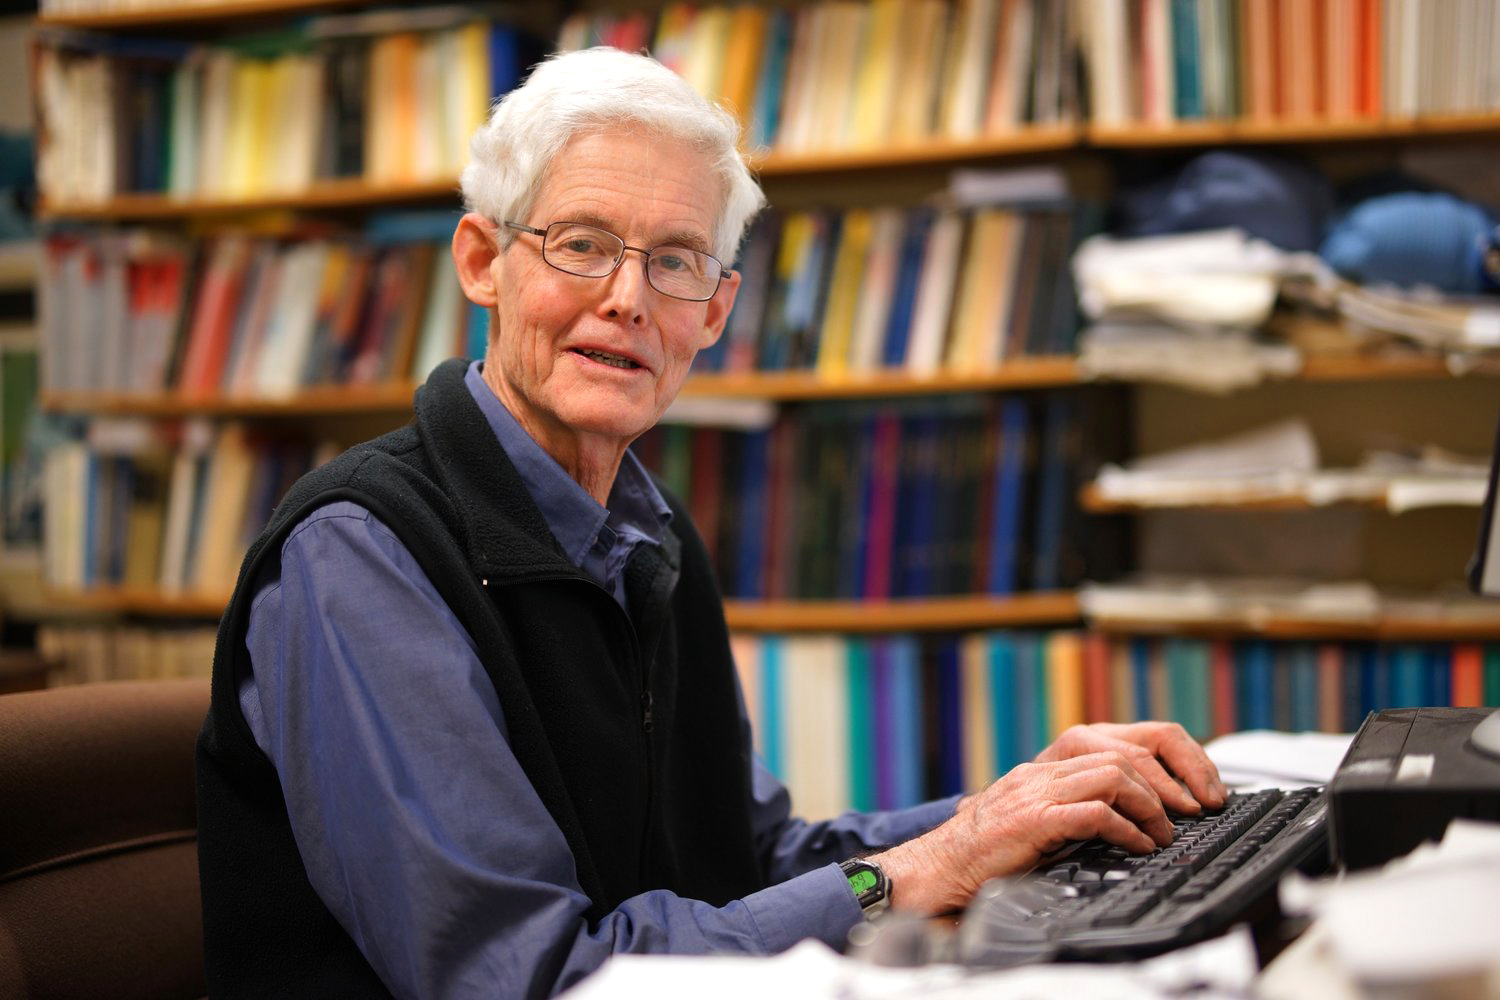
869, 883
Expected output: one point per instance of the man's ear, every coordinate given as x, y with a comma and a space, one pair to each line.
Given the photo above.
474, 250
719, 308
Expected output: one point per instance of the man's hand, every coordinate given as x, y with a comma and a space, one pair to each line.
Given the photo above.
1149, 745
1020, 819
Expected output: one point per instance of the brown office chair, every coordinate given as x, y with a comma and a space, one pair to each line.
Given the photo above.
99, 843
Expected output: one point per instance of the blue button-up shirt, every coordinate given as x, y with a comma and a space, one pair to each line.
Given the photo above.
417, 826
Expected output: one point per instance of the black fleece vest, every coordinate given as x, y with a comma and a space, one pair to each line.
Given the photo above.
627, 726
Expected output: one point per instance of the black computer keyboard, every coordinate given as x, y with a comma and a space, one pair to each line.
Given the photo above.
1098, 902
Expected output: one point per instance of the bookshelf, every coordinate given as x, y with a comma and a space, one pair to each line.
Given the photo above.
107, 17
846, 171
328, 195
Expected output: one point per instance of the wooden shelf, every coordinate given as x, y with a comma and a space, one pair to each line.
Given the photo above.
1023, 373
325, 195
1389, 629
1022, 142
903, 615
166, 15
932, 614
939, 613
358, 193
1358, 369
1311, 130
1090, 501
319, 401
150, 602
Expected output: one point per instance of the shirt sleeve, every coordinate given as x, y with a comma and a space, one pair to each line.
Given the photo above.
789, 846
417, 826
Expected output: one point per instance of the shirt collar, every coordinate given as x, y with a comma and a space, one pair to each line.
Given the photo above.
636, 507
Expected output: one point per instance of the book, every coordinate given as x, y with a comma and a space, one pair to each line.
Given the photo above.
772, 740
849, 273
743, 52
1222, 686
817, 747
1408, 681
441, 332
1304, 688
219, 301
1467, 683
1098, 678
862, 728
282, 356
1012, 65
877, 291
1255, 695
926, 340
1187, 68
969, 68
925, 31
1009, 497
977, 706
950, 771
262, 288
876, 74
1004, 688
1066, 700
907, 700
184, 500
904, 296
215, 560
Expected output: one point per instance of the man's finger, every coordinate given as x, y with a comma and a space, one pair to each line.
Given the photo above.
1187, 760
1108, 783
1087, 820
1172, 794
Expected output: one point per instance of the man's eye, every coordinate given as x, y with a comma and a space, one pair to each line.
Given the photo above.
579, 245
671, 262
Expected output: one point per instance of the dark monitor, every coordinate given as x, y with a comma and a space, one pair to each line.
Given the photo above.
1484, 568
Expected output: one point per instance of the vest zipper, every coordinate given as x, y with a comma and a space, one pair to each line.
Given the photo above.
648, 721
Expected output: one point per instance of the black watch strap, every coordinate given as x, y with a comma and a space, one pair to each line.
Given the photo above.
869, 883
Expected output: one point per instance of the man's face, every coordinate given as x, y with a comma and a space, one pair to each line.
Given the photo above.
587, 363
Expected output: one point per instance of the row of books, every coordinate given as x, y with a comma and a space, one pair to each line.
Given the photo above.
141, 312
955, 495
149, 507
390, 98
883, 722
848, 75
921, 290
1161, 61
89, 653
845, 74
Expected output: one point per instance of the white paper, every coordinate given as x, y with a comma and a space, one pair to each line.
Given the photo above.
1280, 759
1219, 968
1427, 916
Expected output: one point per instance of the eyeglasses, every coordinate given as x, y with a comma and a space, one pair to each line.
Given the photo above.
590, 252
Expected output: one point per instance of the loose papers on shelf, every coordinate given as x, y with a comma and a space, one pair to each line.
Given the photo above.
1218, 361
1217, 278
1279, 462
1446, 322
1259, 602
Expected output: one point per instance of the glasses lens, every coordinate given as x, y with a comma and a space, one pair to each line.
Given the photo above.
581, 250
686, 274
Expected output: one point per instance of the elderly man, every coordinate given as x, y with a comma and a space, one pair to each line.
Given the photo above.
475, 724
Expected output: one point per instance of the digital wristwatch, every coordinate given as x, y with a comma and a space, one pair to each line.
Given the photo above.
870, 885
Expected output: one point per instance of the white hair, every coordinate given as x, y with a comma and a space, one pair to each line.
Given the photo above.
591, 90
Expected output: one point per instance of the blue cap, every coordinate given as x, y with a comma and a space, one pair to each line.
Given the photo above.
1285, 203
1413, 238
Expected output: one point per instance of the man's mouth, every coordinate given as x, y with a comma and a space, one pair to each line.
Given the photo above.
613, 360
